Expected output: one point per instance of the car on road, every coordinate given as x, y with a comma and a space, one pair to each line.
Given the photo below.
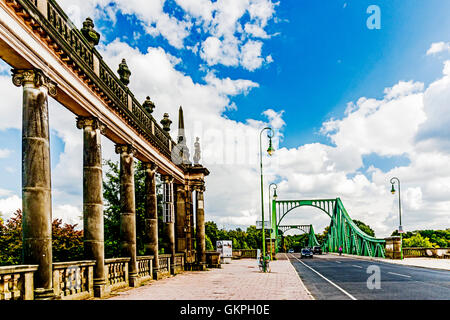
317, 250
291, 251
306, 253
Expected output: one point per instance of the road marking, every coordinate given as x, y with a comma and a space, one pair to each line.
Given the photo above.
348, 294
356, 266
338, 262
398, 274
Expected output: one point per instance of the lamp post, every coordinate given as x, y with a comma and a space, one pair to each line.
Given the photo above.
270, 151
400, 228
270, 214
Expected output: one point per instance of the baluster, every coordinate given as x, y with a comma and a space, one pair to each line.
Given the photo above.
15, 290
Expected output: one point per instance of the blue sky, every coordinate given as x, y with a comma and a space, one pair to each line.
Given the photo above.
297, 66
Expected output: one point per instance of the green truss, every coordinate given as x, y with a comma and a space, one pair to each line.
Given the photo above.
343, 231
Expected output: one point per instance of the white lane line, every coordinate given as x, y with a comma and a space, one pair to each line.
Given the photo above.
398, 274
338, 262
356, 266
348, 294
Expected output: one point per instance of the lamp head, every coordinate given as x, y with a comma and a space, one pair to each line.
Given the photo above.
393, 189
271, 150
275, 196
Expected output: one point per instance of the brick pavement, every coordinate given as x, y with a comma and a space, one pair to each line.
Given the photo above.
239, 280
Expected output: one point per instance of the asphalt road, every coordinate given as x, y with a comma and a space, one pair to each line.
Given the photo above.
330, 277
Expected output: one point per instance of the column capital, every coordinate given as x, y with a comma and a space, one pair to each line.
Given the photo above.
199, 188
150, 167
36, 77
125, 148
95, 123
167, 178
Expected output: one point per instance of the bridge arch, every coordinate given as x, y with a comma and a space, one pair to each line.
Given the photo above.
343, 231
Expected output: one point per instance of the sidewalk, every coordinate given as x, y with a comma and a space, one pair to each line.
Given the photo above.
430, 263
239, 280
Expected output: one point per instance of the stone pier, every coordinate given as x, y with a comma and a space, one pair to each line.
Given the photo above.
36, 177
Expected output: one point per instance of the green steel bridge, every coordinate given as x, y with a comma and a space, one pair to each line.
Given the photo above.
343, 231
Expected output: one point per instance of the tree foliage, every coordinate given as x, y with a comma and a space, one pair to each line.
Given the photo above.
425, 238
365, 228
67, 241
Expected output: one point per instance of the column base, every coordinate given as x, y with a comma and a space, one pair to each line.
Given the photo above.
100, 290
45, 294
133, 280
158, 275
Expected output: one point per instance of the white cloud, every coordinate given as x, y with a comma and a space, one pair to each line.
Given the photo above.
228, 40
403, 89
438, 47
8, 206
5, 153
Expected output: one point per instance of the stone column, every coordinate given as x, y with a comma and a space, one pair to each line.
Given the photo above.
200, 224
36, 177
180, 221
168, 180
151, 216
94, 247
190, 227
128, 210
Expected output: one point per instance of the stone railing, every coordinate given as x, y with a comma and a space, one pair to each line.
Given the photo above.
145, 268
245, 253
178, 263
48, 20
117, 273
73, 280
16, 282
426, 252
164, 263
213, 259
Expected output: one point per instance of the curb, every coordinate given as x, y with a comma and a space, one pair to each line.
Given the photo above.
301, 281
387, 261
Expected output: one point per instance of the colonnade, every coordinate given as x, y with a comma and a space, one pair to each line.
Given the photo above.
37, 207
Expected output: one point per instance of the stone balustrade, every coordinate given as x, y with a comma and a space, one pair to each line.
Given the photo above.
178, 263
16, 282
117, 273
426, 252
213, 259
73, 280
164, 264
145, 268
245, 254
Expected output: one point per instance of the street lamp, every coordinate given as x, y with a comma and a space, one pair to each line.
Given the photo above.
270, 214
270, 151
400, 228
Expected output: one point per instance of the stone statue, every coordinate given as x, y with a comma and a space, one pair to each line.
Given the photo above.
197, 152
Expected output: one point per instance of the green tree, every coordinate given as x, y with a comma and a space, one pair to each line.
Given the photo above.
67, 241
418, 241
111, 196
365, 228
